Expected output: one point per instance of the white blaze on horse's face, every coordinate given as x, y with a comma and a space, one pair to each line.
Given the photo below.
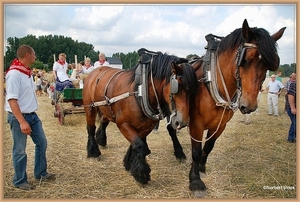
178, 100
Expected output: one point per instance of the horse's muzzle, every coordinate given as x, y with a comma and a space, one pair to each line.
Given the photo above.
246, 110
176, 121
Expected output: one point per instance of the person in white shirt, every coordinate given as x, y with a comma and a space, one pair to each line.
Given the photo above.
274, 88
60, 69
21, 105
87, 67
101, 62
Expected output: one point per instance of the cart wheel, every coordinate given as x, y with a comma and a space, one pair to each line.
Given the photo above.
60, 113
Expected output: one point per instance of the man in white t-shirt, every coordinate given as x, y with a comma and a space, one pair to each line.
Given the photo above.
21, 104
274, 89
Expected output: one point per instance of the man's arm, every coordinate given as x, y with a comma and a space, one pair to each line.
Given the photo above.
25, 127
291, 100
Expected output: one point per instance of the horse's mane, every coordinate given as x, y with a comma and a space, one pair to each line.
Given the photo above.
266, 45
161, 69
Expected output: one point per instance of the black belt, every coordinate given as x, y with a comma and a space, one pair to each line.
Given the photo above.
31, 113
272, 92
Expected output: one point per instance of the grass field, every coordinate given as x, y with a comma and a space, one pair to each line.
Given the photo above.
248, 161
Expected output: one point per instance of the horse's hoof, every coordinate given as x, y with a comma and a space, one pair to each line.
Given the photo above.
200, 193
197, 185
94, 155
202, 174
180, 156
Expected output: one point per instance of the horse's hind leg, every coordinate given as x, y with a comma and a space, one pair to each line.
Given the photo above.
128, 159
148, 151
92, 146
178, 151
101, 137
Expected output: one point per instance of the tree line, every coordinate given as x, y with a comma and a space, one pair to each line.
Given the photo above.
49, 45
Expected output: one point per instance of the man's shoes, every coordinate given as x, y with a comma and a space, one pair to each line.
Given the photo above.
26, 186
291, 141
52, 102
49, 176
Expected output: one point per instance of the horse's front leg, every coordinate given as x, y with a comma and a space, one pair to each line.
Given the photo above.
101, 137
134, 159
208, 146
178, 151
196, 184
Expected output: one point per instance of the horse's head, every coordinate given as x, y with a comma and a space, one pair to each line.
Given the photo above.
179, 92
255, 52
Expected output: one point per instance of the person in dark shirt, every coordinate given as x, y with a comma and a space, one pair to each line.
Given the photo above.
291, 111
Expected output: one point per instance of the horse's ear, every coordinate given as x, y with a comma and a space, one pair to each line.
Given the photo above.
176, 69
278, 34
246, 31
182, 60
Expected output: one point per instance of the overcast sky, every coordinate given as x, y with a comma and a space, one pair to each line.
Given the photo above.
174, 29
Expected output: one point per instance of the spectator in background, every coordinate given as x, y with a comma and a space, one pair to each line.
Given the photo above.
287, 86
87, 67
278, 76
274, 88
291, 111
39, 90
288, 82
70, 69
60, 68
101, 62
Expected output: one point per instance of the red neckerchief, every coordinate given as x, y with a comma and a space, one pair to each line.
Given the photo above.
17, 65
101, 63
87, 67
60, 62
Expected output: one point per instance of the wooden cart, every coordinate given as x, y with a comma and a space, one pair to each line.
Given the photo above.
68, 95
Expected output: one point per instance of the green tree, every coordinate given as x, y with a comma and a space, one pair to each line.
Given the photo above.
38, 65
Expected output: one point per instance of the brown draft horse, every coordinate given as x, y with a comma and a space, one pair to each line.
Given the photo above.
242, 60
113, 93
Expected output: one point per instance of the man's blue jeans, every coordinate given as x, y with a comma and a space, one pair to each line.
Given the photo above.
292, 130
19, 155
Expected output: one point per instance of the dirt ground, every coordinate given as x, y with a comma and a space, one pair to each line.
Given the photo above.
248, 161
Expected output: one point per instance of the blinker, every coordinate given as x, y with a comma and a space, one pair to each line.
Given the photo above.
174, 84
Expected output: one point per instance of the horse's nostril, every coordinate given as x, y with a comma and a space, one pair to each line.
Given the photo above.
243, 109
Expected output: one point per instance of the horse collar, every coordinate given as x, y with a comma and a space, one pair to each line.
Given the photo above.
141, 85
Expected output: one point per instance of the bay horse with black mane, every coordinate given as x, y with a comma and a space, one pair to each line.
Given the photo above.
230, 75
136, 99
